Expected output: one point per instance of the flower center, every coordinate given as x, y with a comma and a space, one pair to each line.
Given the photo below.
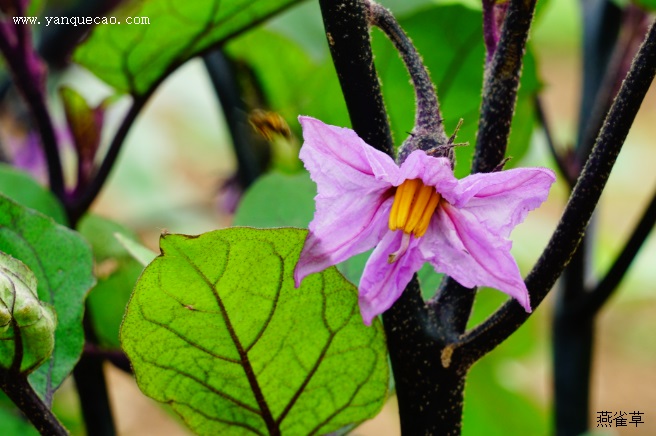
413, 207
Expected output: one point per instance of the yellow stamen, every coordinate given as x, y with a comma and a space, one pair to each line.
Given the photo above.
405, 195
423, 223
419, 205
414, 204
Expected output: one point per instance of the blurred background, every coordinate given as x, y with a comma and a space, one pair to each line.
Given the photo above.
173, 169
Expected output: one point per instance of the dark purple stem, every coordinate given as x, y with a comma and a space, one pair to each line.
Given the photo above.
18, 389
500, 87
428, 132
493, 16
29, 76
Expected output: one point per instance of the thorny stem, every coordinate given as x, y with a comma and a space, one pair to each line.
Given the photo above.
428, 132
579, 209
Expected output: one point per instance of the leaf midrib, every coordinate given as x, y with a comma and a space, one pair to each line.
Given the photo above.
266, 414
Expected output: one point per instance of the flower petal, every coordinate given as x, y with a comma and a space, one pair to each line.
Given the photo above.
433, 171
354, 196
342, 227
382, 283
339, 155
501, 200
458, 245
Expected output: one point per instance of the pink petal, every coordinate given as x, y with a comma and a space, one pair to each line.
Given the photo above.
340, 156
432, 171
458, 245
501, 200
382, 283
354, 195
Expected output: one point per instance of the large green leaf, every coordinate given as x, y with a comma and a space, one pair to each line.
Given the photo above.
216, 329
135, 57
116, 271
62, 263
23, 189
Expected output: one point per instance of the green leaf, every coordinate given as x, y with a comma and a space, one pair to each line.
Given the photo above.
216, 329
116, 271
23, 189
62, 263
278, 200
449, 38
26, 324
133, 58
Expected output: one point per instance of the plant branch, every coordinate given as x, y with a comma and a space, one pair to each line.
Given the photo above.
500, 87
18, 389
347, 31
453, 302
429, 388
580, 206
428, 119
564, 169
29, 76
249, 163
601, 25
594, 300
83, 199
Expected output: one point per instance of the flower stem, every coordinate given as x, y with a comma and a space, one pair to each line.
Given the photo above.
428, 132
428, 118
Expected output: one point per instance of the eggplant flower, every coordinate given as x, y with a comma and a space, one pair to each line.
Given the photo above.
413, 213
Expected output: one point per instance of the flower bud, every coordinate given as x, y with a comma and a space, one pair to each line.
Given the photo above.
27, 325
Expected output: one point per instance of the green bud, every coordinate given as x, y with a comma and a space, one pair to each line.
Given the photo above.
23, 317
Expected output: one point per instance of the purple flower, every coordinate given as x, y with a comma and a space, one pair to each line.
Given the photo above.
418, 212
